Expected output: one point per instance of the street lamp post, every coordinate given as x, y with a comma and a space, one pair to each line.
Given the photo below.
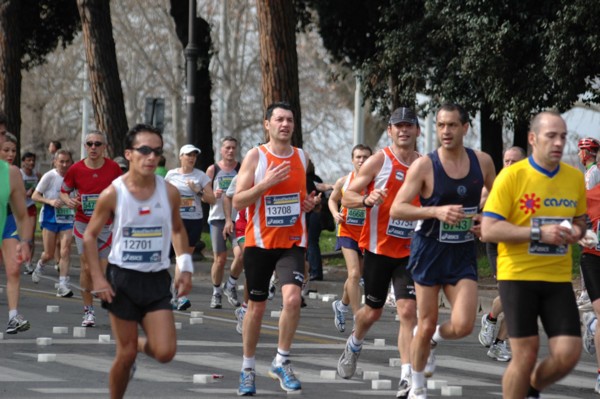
191, 56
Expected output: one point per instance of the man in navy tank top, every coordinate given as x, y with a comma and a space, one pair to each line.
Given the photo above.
449, 181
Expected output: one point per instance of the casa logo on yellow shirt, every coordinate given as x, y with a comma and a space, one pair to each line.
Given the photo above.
530, 203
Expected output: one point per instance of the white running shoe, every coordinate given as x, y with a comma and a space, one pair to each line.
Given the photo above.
588, 334
347, 363
430, 366
64, 291
584, 303
37, 273
339, 316
500, 352
230, 292
488, 330
418, 393
597, 387
89, 319
239, 315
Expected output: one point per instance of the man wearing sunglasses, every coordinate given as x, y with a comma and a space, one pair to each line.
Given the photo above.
89, 177
136, 290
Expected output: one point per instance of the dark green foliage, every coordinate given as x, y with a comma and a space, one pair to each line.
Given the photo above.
44, 25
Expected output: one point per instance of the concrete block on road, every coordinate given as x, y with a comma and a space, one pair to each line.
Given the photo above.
313, 295
104, 338
60, 330
328, 374
43, 341
196, 314
395, 362
436, 384
359, 371
381, 384
79, 332
329, 297
397, 318
46, 357
451, 391
196, 320
52, 309
203, 379
177, 325
379, 342
276, 314
371, 375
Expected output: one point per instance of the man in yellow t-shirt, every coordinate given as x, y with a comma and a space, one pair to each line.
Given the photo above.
536, 211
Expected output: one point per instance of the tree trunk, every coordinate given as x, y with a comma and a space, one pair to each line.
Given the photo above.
107, 94
202, 113
10, 66
521, 129
278, 57
491, 136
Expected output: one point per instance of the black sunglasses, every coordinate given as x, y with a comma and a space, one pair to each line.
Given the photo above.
147, 150
94, 143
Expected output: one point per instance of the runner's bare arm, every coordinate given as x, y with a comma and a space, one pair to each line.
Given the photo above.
353, 197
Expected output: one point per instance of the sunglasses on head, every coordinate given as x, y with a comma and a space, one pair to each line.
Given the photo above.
147, 150
94, 143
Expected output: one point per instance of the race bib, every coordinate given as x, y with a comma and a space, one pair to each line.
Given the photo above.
188, 204
282, 210
356, 217
224, 182
142, 244
88, 203
460, 232
539, 248
64, 215
401, 228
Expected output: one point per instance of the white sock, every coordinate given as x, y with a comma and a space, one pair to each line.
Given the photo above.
342, 307
12, 313
217, 289
436, 335
405, 371
418, 379
281, 356
62, 279
231, 281
355, 343
248, 363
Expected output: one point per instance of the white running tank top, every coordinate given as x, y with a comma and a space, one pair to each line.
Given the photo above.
141, 230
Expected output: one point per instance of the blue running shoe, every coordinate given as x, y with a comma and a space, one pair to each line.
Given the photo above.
247, 385
286, 377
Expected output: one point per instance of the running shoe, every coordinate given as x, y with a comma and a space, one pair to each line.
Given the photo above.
500, 352
390, 302
239, 315
347, 363
583, 302
403, 387
597, 387
430, 366
247, 384
36, 276
17, 324
28, 268
487, 332
215, 301
588, 334
285, 375
183, 303
231, 293
272, 287
89, 319
419, 393
339, 318
64, 291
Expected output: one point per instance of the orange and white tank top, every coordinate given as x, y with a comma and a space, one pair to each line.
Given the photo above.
353, 218
593, 211
381, 234
276, 219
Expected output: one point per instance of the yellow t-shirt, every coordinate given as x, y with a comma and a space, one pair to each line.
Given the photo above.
528, 195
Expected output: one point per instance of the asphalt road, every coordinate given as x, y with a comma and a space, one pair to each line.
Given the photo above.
81, 365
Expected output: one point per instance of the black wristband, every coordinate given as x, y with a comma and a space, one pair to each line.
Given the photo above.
365, 203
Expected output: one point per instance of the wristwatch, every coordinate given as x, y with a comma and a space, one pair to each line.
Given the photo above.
536, 234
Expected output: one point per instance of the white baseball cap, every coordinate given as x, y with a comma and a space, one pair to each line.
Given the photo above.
188, 148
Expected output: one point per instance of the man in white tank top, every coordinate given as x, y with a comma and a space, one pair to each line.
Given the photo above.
139, 258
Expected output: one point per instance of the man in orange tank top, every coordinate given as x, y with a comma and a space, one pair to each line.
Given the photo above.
272, 185
385, 242
349, 226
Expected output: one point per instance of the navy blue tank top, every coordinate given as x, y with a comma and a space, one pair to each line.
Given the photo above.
449, 191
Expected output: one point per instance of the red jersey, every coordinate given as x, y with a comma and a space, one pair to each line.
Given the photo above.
381, 234
276, 219
89, 183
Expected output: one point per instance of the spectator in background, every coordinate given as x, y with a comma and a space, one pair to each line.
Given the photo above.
161, 170
54, 146
123, 164
313, 221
